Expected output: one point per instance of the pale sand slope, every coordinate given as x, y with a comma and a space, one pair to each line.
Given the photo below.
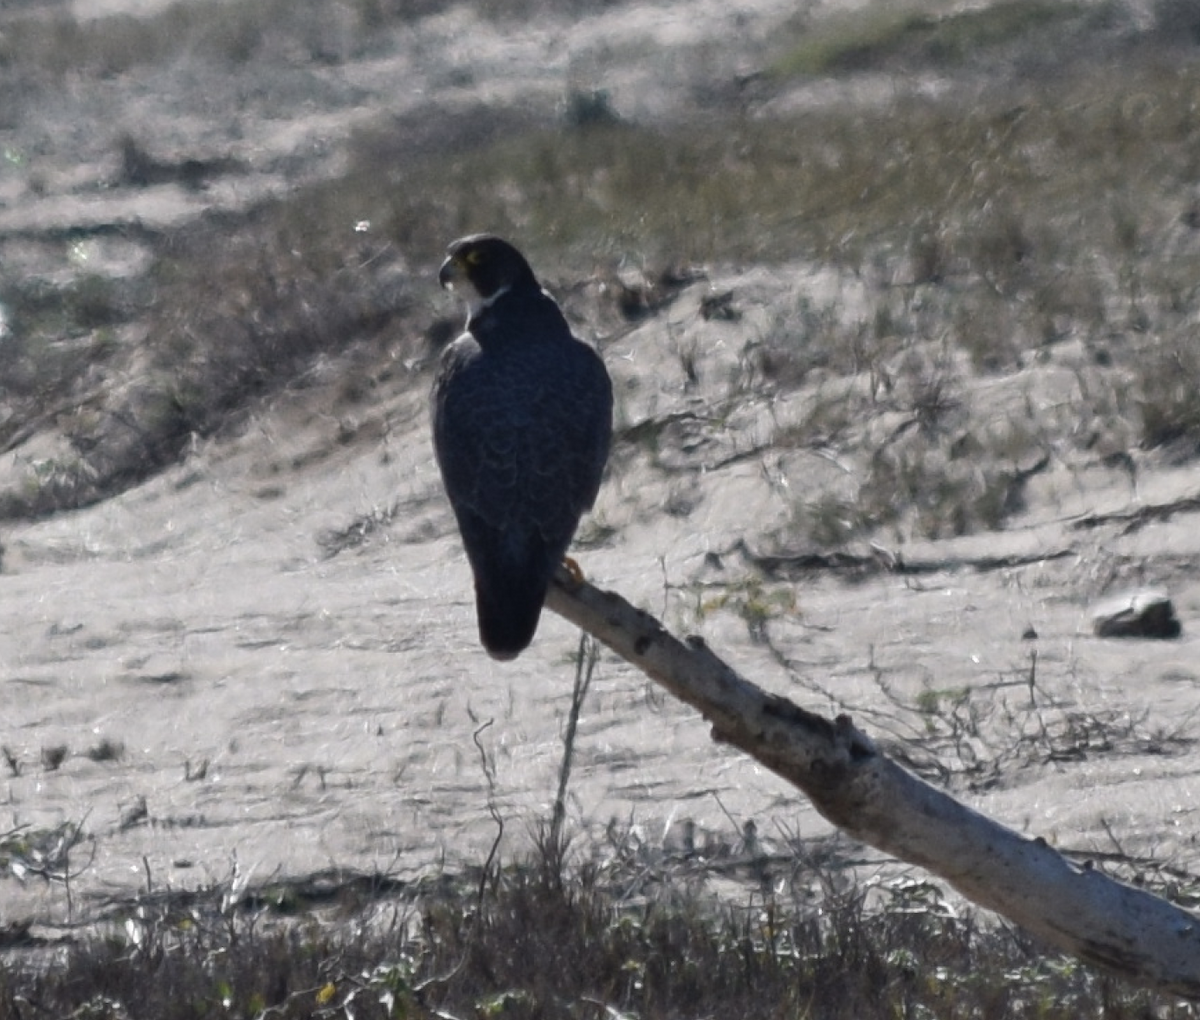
196, 619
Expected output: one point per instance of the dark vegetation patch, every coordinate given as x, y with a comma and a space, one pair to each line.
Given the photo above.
905, 35
236, 313
540, 940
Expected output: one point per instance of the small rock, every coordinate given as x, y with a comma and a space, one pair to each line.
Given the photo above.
1145, 613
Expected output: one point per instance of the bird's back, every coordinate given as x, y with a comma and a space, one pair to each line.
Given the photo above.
522, 423
522, 426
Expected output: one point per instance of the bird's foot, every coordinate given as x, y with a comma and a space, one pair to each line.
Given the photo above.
574, 570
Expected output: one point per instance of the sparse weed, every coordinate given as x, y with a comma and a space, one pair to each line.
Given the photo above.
829, 520
756, 602
106, 749
547, 936
44, 853
1168, 388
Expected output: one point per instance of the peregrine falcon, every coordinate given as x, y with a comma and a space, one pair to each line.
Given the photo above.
522, 418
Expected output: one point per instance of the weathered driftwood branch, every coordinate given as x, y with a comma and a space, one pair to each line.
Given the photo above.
1124, 930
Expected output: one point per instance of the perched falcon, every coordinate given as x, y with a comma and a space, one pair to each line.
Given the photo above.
522, 418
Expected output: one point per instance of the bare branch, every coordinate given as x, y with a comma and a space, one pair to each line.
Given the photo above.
1077, 909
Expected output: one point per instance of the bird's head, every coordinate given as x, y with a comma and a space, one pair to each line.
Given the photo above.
483, 267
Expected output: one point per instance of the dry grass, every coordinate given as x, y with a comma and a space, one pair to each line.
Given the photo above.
1054, 208
236, 314
541, 939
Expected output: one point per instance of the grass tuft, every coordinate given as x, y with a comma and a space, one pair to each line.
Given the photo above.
547, 942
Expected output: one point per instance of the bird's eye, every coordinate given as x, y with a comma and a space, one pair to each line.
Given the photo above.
474, 257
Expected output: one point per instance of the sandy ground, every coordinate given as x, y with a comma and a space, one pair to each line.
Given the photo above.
327, 704
283, 711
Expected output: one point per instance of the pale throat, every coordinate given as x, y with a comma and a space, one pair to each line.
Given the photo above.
477, 305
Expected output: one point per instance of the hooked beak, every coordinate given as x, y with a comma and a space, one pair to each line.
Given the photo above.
451, 273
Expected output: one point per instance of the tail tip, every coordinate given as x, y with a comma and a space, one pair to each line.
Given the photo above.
505, 637
508, 617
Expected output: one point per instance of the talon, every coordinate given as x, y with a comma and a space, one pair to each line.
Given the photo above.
575, 570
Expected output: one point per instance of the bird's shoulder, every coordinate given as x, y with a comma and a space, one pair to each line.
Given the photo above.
523, 347
456, 358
